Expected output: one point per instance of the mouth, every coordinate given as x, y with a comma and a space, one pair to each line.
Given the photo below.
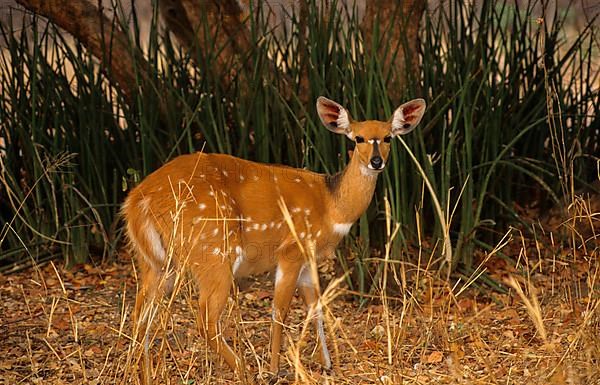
369, 170
380, 168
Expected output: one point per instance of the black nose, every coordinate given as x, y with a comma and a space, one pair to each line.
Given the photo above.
376, 162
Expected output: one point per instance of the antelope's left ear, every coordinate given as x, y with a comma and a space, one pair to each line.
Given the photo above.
407, 116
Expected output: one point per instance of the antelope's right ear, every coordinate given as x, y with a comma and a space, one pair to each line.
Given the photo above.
334, 116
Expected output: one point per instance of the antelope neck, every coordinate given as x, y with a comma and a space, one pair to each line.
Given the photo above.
353, 192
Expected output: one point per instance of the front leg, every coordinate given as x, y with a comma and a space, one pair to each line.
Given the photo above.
285, 286
309, 291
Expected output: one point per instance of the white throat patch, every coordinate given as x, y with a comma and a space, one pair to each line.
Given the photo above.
342, 228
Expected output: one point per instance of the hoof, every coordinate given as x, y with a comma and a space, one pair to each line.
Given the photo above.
282, 377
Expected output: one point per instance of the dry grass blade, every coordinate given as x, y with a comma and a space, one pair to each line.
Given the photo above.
531, 304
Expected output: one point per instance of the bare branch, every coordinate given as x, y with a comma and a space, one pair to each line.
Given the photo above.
100, 35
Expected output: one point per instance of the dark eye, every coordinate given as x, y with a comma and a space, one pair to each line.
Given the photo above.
387, 139
359, 139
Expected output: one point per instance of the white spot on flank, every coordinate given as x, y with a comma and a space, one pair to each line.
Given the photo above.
279, 225
296, 210
215, 232
225, 173
242, 178
202, 206
256, 226
263, 227
211, 194
272, 224
155, 242
196, 220
307, 211
341, 228
297, 180
318, 233
302, 235
216, 251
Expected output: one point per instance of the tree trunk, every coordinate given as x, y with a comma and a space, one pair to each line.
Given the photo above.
391, 30
205, 27
101, 36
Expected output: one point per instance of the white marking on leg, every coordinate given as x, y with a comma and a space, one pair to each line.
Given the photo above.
278, 276
305, 278
321, 335
341, 228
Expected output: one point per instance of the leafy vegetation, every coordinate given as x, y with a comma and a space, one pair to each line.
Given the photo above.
510, 119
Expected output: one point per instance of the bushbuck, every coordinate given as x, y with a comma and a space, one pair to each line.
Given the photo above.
221, 218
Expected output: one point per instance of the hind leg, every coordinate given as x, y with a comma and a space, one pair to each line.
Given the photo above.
144, 313
310, 296
154, 284
215, 285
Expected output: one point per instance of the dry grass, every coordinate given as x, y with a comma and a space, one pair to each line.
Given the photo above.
73, 326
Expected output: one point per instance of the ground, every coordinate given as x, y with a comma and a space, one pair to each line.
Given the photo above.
72, 326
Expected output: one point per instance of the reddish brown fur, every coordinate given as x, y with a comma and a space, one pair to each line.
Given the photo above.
219, 217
